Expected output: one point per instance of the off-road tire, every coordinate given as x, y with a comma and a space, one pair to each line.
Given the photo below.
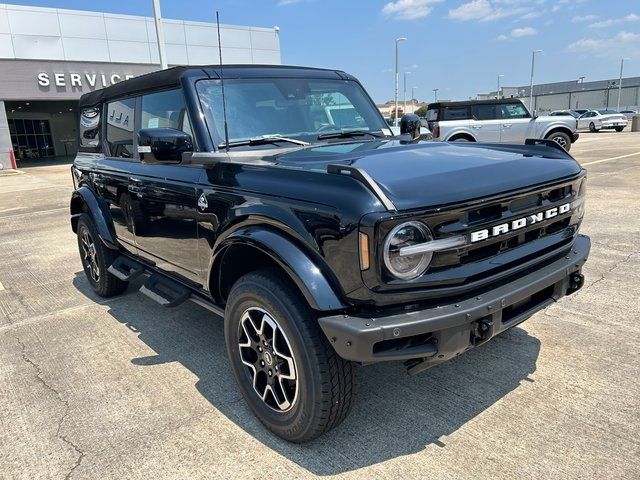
106, 284
326, 388
561, 139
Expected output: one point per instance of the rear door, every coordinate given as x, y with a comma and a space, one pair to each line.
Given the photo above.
516, 125
166, 193
113, 178
484, 123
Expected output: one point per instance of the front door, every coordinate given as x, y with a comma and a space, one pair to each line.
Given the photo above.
166, 226
517, 124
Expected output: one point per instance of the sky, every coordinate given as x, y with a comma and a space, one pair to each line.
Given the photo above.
457, 46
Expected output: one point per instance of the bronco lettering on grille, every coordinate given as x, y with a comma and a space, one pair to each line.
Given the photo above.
507, 227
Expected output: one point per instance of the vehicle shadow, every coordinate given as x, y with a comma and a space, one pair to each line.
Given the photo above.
395, 414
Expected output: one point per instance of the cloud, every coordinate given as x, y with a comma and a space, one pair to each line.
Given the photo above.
284, 3
632, 17
409, 9
583, 18
523, 32
488, 10
605, 47
502, 38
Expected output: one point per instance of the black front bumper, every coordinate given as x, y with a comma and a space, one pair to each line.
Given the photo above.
439, 333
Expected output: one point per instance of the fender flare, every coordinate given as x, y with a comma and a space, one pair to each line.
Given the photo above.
303, 271
98, 210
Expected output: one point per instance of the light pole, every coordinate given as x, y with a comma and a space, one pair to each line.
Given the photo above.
620, 81
413, 97
498, 91
404, 108
162, 52
435, 94
533, 64
395, 99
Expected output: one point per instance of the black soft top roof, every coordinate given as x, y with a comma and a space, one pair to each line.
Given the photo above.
493, 101
171, 77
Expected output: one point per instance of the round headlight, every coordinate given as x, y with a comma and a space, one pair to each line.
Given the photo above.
406, 234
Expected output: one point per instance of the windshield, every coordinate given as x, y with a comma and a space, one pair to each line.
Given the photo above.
608, 112
296, 108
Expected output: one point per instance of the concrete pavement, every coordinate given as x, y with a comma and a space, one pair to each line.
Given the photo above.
125, 389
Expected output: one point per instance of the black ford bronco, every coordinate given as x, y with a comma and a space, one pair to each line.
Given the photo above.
278, 198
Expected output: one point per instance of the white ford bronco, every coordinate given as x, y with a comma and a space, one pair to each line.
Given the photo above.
496, 121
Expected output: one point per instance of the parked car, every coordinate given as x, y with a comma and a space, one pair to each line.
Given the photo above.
497, 121
629, 114
610, 119
564, 113
324, 245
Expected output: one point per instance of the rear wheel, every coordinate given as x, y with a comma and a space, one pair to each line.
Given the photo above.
561, 139
592, 128
96, 259
286, 370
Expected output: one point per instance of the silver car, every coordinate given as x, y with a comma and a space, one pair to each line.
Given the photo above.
610, 119
497, 121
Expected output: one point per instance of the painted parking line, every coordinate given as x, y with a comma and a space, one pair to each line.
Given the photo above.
1, 287
612, 158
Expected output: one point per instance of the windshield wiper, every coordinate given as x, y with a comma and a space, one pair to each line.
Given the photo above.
262, 140
347, 134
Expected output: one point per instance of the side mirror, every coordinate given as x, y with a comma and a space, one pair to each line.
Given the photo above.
410, 124
163, 145
535, 114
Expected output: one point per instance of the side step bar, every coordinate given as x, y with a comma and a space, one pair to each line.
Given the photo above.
164, 291
125, 269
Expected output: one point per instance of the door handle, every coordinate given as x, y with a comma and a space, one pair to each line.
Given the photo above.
506, 125
477, 127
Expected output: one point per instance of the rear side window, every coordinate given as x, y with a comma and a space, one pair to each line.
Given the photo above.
513, 110
484, 112
455, 113
165, 109
432, 115
89, 130
120, 125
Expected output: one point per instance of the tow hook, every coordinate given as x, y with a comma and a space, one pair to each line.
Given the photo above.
576, 280
481, 331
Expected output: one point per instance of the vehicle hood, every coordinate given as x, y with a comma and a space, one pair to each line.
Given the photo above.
564, 119
427, 174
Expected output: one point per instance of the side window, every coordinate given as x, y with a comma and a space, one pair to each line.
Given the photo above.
484, 112
89, 129
120, 123
513, 110
165, 109
455, 113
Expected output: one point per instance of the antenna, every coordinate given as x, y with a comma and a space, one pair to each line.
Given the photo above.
224, 105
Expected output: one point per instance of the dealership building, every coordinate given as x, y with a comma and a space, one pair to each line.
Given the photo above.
576, 94
50, 57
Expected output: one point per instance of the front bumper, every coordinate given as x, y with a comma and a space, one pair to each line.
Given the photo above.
437, 334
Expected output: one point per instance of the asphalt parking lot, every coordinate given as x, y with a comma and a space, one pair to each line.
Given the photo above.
123, 388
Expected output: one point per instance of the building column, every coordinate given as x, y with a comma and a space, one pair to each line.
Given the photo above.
5, 139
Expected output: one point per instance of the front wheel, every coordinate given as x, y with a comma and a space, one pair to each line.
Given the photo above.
592, 128
619, 129
561, 139
285, 368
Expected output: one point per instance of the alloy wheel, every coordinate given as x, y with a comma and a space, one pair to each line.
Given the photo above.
89, 256
561, 141
266, 352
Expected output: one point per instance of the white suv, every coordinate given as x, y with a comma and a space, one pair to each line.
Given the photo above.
496, 121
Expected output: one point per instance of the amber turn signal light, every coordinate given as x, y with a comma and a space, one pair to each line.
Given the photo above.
364, 251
